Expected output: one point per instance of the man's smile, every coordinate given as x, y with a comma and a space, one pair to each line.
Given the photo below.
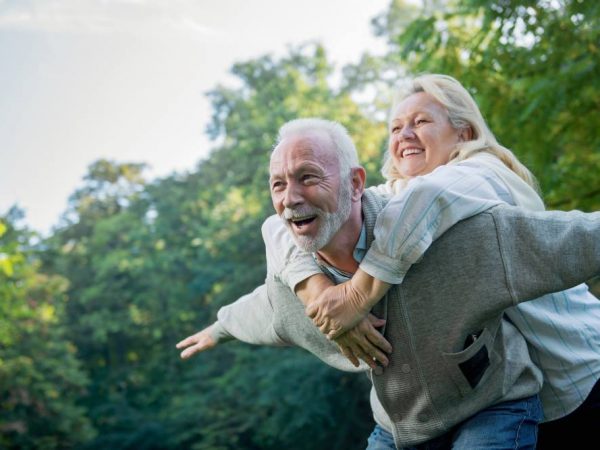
303, 224
304, 220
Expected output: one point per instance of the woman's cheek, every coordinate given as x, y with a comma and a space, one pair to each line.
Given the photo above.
393, 146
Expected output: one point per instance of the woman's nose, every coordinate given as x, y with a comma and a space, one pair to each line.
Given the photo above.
407, 132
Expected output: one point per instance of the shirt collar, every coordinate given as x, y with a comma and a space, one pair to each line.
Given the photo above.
358, 254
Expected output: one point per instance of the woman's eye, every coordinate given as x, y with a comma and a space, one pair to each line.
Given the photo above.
308, 178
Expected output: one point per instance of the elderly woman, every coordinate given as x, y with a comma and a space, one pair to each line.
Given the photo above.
441, 153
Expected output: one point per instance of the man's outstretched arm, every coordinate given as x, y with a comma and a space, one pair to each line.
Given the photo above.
248, 319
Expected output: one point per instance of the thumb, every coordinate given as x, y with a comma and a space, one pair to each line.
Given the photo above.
311, 311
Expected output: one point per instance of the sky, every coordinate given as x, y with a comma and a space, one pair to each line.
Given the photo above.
126, 80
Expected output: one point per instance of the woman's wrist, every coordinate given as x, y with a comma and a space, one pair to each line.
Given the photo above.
309, 289
368, 289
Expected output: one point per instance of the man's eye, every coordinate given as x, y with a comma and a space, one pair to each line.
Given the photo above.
420, 121
309, 178
395, 129
276, 186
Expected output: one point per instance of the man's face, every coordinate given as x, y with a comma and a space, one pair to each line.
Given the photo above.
306, 189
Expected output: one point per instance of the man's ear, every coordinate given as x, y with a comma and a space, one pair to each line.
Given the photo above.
359, 178
465, 134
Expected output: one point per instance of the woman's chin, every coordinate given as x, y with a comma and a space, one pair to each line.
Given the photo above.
411, 171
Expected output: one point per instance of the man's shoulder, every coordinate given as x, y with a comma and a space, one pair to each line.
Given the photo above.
374, 201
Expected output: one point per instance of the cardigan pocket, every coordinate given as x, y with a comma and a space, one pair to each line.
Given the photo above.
470, 367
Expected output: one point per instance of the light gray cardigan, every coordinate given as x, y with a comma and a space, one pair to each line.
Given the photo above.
477, 269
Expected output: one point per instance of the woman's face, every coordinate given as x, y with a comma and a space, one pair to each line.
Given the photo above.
421, 137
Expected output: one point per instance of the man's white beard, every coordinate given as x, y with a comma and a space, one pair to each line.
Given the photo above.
330, 223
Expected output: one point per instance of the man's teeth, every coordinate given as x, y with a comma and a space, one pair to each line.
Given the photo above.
411, 151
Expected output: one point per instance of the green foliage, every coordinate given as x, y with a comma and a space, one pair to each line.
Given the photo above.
40, 378
270, 399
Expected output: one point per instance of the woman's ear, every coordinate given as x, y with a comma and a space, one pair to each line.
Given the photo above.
465, 134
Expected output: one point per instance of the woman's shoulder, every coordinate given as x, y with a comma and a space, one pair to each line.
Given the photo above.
390, 187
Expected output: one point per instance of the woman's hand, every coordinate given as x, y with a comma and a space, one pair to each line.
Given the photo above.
341, 307
337, 309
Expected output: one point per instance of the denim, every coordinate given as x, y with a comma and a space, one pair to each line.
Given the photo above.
507, 425
380, 440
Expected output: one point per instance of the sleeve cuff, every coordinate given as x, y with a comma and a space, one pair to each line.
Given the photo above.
219, 333
383, 267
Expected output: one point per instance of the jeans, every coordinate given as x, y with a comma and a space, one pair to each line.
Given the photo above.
507, 425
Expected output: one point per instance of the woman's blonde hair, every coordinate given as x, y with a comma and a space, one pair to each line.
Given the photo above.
463, 113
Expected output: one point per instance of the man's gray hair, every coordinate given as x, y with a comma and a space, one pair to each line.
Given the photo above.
345, 149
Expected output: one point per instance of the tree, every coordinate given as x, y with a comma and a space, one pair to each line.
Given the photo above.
41, 379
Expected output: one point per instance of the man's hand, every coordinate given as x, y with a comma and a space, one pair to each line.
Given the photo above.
197, 343
366, 343
341, 307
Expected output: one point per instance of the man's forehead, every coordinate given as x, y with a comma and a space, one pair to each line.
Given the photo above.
309, 147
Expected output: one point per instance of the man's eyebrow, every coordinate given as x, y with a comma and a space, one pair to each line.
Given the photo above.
309, 165
304, 166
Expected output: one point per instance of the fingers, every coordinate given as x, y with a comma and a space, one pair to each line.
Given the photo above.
366, 343
349, 354
377, 339
203, 344
375, 321
354, 352
378, 355
196, 343
331, 331
374, 354
335, 331
324, 327
190, 351
370, 361
361, 348
188, 341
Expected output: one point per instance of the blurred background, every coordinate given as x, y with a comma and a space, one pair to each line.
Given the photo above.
134, 141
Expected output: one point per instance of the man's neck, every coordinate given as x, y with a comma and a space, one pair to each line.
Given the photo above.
339, 252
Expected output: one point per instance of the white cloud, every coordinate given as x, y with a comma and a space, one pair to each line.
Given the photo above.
105, 16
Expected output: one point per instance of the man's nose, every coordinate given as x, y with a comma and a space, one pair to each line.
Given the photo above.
293, 195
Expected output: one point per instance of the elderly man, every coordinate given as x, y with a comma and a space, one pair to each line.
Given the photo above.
460, 373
